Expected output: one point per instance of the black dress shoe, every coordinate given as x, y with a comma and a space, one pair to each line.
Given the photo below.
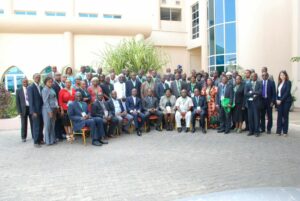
103, 142
262, 131
187, 130
221, 131
203, 130
193, 130
179, 130
226, 132
96, 143
268, 132
249, 134
158, 128
23, 140
37, 145
138, 133
257, 134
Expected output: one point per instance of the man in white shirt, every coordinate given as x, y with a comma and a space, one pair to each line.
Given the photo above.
120, 87
183, 106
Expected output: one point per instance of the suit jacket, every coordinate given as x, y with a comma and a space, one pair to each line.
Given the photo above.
111, 107
131, 106
107, 89
160, 89
197, 86
74, 112
84, 94
35, 99
201, 103
129, 87
20, 101
271, 91
239, 95
228, 93
175, 90
149, 103
97, 110
256, 93
57, 87
285, 92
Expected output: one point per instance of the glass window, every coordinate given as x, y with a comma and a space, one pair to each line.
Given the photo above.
25, 12
195, 21
212, 68
13, 79
212, 60
60, 14
211, 13
219, 11
229, 10
220, 60
170, 14
230, 59
230, 38
220, 39
212, 41
220, 69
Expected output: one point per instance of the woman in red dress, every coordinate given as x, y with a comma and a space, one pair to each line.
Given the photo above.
94, 89
210, 92
65, 97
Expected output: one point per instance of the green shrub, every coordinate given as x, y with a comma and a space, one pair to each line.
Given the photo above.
133, 55
8, 107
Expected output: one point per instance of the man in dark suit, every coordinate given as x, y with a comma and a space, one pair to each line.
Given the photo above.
161, 87
78, 114
133, 83
225, 90
268, 100
151, 107
176, 85
134, 108
199, 109
107, 87
59, 129
34, 92
100, 109
192, 86
253, 91
23, 109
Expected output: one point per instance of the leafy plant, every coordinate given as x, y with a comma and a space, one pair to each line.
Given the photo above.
133, 55
7, 103
295, 59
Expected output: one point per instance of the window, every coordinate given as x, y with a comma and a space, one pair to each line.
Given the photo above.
170, 14
90, 15
230, 10
25, 12
109, 16
195, 21
49, 13
219, 11
211, 13
1, 11
13, 79
45, 72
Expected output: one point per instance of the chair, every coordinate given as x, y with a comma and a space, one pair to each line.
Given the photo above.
83, 132
152, 117
205, 121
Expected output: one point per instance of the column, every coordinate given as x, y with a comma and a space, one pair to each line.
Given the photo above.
69, 48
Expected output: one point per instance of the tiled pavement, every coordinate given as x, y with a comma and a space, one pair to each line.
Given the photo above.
157, 166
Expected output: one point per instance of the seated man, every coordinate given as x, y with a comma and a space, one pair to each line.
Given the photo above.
199, 110
183, 106
151, 107
134, 108
100, 110
78, 114
117, 110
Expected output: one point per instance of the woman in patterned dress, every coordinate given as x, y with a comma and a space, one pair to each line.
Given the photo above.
210, 92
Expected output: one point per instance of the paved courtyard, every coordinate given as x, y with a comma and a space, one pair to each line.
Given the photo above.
157, 166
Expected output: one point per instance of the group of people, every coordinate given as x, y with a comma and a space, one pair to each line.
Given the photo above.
110, 104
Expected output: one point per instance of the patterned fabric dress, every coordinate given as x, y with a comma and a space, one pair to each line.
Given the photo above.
210, 93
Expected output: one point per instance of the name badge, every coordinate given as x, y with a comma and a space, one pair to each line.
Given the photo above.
198, 108
222, 97
83, 114
192, 95
106, 113
168, 108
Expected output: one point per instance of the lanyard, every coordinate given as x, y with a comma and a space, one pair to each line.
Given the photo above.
80, 104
